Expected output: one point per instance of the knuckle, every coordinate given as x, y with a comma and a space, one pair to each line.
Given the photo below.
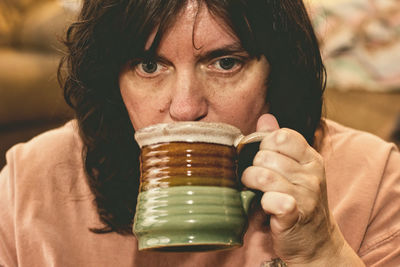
256, 177
264, 177
294, 134
281, 136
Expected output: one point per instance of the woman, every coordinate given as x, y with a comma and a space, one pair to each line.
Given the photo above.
68, 196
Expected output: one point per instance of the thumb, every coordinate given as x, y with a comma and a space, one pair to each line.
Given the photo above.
267, 123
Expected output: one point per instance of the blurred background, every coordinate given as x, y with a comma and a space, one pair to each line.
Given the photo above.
360, 43
31, 100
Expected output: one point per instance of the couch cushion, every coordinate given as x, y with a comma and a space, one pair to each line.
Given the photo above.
44, 26
28, 87
12, 13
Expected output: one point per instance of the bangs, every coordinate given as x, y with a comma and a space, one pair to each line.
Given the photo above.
140, 20
246, 21
144, 18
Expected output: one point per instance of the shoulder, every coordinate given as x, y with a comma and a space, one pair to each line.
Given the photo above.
50, 159
43, 188
349, 144
362, 178
55, 142
58, 145
340, 134
355, 156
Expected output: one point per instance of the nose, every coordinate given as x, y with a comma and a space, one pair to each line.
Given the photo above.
188, 99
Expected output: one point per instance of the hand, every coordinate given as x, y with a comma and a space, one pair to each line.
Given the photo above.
291, 174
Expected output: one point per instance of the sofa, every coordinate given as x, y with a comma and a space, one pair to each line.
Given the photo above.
31, 99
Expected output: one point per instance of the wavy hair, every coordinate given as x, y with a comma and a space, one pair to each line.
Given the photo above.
109, 33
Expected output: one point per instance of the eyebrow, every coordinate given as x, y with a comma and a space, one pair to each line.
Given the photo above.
229, 49
222, 51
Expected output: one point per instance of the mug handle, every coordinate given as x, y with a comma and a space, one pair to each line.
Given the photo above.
243, 140
247, 196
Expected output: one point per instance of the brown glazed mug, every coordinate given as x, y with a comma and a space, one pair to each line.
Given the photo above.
190, 196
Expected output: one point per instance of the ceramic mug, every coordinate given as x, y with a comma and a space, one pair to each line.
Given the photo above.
190, 198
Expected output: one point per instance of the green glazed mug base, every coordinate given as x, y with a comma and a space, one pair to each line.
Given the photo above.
189, 241
191, 218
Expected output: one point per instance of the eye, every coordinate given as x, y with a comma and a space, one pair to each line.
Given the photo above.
227, 64
149, 68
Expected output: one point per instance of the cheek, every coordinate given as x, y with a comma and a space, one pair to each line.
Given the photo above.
243, 107
241, 102
139, 104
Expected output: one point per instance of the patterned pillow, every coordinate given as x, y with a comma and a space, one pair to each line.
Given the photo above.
360, 42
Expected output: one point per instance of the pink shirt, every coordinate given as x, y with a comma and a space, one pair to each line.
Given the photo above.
46, 207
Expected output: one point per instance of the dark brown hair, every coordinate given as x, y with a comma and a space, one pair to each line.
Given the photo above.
109, 33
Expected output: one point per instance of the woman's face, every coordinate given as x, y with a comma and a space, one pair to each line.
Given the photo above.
200, 73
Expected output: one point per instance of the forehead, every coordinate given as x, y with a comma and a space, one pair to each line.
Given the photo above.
195, 23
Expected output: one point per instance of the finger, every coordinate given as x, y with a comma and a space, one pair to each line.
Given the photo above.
289, 169
290, 143
277, 162
264, 180
267, 123
283, 209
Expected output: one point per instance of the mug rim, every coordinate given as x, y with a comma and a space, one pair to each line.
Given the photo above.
188, 131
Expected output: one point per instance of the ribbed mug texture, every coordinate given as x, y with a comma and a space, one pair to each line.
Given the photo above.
178, 164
